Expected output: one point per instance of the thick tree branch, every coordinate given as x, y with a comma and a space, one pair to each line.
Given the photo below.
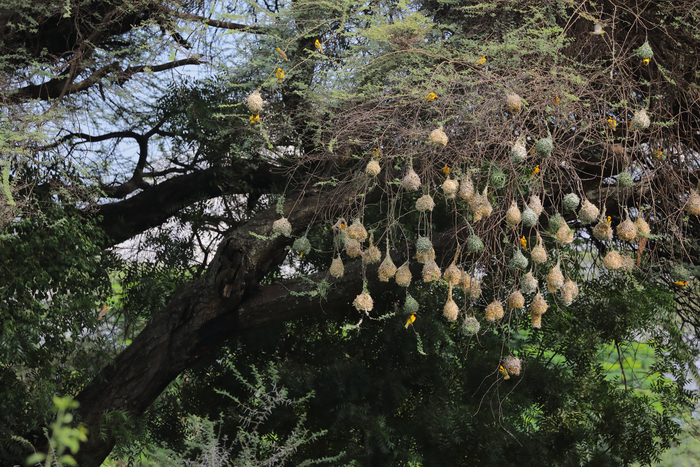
215, 23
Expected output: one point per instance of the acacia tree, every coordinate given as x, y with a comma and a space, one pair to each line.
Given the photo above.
488, 108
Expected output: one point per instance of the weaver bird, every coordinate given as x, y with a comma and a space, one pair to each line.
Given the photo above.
410, 320
318, 45
597, 30
342, 225
681, 283
523, 242
280, 74
377, 153
608, 220
254, 118
481, 61
556, 100
535, 171
103, 311
612, 123
503, 372
281, 53
431, 96
645, 61
446, 170
657, 153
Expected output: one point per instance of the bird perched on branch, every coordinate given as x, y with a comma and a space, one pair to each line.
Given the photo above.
411, 319
482, 60
612, 123
280, 74
281, 53
503, 372
318, 46
431, 96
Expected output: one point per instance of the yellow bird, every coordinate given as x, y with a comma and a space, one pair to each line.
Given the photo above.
281, 53
377, 153
556, 100
103, 311
597, 30
612, 123
254, 118
431, 96
411, 319
280, 74
481, 61
681, 283
657, 153
503, 372
318, 45
446, 170
523, 242
608, 220
645, 61
535, 171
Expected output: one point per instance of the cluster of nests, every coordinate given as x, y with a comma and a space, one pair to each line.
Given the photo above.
350, 238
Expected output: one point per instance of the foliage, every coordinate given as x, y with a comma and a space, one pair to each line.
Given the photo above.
63, 437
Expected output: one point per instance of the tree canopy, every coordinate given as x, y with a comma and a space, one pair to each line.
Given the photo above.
438, 225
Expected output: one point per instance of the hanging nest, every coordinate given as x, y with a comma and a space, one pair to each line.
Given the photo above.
337, 268
450, 187
403, 275
452, 274
471, 326
538, 307
411, 181
603, 230
373, 169
474, 244
692, 206
431, 272
626, 230
363, 302
465, 281
352, 248
612, 260
539, 253
425, 203
518, 261
255, 102
528, 284
568, 291
555, 279
571, 202
423, 245
564, 234
498, 179
474, 288
640, 120
627, 263
643, 229
514, 103
357, 231
516, 300
302, 245
437, 136
512, 365
588, 212
679, 273
518, 152
544, 147
372, 254
513, 215
555, 222
466, 189
494, 311
451, 310
624, 180
282, 227
410, 306
536, 205
426, 257
644, 52
529, 217
387, 269
481, 207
